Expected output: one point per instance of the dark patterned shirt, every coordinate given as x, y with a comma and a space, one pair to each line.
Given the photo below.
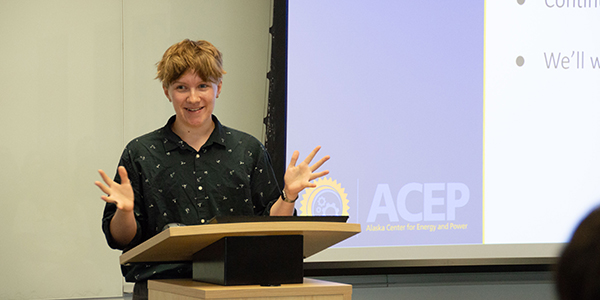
231, 174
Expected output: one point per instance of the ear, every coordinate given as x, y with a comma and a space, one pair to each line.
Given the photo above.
219, 87
166, 90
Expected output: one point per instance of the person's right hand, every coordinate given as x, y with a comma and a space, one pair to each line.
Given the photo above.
119, 194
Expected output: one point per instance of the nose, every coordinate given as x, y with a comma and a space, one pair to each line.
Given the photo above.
194, 96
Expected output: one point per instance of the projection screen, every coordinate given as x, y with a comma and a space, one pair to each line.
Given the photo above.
461, 132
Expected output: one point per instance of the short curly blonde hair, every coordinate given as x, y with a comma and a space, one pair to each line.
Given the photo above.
201, 56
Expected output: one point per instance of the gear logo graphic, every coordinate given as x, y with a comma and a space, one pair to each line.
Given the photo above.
327, 199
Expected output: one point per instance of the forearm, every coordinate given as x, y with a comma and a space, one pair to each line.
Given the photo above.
282, 208
123, 227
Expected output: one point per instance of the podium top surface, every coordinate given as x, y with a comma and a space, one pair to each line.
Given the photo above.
180, 243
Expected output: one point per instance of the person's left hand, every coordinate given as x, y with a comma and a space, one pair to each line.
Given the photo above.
299, 177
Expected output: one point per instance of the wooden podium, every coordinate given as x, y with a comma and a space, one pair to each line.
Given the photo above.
182, 243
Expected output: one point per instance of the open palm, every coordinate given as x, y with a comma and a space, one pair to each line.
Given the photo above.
299, 177
119, 194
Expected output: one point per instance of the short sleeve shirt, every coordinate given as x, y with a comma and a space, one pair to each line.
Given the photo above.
231, 174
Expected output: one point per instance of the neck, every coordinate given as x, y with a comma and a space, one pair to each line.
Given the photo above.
194, 136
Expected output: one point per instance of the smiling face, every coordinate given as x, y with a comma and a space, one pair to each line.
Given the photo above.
194, 101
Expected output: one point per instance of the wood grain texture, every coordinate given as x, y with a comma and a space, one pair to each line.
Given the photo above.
180, 243
185, 289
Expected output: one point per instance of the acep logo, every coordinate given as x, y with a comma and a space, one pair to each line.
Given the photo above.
327, 199
439, 202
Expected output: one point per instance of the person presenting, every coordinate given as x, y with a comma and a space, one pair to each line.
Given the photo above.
194, 168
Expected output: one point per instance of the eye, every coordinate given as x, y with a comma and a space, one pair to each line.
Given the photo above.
203, 85
180, 87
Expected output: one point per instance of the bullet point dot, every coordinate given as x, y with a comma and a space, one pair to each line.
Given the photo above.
521, 2
520, 61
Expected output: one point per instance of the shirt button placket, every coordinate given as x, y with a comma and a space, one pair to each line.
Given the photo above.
196, 169
200, 193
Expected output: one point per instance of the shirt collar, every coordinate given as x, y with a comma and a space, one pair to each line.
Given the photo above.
173, 141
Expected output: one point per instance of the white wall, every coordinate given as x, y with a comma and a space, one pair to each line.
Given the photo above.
238, 28
77, 83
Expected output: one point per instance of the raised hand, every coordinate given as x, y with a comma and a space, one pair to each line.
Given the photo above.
119, 194
299, 177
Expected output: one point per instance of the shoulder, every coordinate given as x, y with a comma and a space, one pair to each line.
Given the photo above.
155, 137
238, 137
148, 144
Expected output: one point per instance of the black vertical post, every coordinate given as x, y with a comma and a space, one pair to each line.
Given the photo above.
275, 121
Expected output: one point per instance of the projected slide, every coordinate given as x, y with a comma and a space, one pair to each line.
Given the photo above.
448, 122
397, 100
542, 130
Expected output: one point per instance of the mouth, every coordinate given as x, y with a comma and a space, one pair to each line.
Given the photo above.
193, 109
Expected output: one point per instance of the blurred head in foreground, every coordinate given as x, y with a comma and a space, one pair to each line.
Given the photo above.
578, 269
